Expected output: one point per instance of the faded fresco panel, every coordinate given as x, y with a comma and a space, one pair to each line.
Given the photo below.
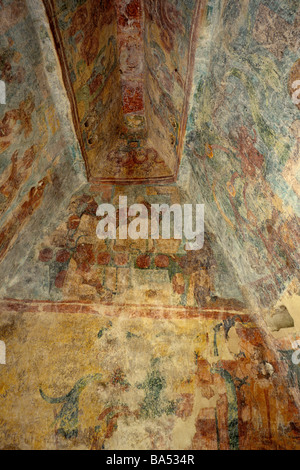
94, 380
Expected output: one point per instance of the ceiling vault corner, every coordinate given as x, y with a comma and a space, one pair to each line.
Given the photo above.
128, 71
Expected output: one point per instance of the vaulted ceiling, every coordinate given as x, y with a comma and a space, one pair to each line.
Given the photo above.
196, 94
128, 70
169, 102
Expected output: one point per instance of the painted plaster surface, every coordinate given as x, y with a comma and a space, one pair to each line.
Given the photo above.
140, 383
126, 67
243, 140
122, 344
38, 151
77, 265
